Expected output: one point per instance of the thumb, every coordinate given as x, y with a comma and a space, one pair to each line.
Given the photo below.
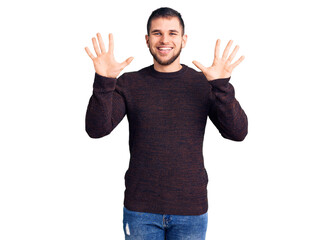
127, 62
199, 65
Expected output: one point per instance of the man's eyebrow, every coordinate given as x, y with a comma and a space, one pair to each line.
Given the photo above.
157, 30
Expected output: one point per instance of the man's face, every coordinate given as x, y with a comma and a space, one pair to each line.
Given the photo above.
165, 40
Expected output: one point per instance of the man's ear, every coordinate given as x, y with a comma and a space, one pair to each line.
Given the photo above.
184, 40
147, 40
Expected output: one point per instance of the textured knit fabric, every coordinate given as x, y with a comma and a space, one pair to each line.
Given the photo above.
167, 115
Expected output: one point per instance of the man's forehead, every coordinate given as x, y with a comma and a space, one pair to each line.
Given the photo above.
165, 23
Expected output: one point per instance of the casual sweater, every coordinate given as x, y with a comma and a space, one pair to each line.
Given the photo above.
167, 114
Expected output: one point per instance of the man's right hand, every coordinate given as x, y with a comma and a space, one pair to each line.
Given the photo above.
105, 64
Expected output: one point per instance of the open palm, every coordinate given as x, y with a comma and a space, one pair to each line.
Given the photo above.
105, 63
221, 67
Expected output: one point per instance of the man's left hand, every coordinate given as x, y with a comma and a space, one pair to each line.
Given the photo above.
221, 67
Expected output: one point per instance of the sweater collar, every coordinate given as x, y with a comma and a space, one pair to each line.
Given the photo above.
167, 74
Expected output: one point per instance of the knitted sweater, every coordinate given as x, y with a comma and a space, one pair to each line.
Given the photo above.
167, 114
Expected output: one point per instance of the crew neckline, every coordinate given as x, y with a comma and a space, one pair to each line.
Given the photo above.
167, 74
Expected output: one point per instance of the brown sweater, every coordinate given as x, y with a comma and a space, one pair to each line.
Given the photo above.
167, 114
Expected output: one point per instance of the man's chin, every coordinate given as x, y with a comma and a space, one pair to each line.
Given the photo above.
165, 61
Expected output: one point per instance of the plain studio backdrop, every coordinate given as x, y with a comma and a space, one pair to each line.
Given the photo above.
57, 183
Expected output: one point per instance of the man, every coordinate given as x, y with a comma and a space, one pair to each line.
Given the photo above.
167, 105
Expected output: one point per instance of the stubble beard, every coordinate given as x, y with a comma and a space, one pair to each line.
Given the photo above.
166, 62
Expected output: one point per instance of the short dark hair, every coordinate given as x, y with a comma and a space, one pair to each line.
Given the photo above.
166, 13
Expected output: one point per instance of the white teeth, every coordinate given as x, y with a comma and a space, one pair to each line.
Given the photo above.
164, 48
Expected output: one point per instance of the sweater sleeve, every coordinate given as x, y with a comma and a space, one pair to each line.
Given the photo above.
225, 111
106, 107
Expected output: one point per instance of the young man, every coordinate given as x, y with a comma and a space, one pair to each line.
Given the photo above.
167, 105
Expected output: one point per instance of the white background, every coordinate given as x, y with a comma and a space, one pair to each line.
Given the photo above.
57, 183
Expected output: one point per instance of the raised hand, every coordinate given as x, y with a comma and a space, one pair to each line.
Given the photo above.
221, 67
104, 63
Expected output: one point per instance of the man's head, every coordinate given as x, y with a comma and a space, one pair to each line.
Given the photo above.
165, 12
165, 37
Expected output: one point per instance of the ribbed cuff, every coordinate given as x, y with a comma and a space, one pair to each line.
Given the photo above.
220, 82
104, 84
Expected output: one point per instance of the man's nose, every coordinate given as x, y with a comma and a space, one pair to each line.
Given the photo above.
165, 39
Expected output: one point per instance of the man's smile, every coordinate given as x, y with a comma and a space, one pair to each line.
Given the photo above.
164, 50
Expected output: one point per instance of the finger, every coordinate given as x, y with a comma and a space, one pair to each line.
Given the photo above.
111, 44
89, 53
199, 65
235, 64
226, 50
126, 62
98, 52
217, 49
232, 55
101, 43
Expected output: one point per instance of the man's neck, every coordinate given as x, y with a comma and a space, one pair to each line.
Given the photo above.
174, 67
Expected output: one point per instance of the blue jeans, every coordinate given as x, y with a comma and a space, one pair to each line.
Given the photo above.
152, 226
